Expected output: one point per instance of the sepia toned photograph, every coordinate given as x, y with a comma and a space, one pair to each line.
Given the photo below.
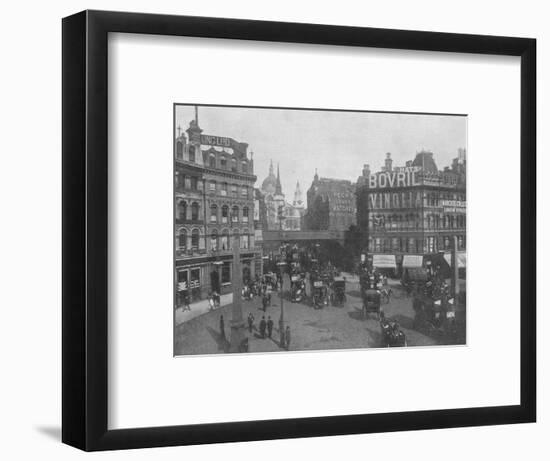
313, 229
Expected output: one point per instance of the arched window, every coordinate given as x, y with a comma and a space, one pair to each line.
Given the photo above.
214, 240
195, 237
223, 162
225, 240
212, 161
179, 149
213, 213
182, 239
224, 189
235, 214
191, 153
182, 210
233, 165
195, 211
245, 214
244, 167
225, 213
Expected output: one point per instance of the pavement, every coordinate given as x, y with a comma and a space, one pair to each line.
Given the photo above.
199, 308
311, 329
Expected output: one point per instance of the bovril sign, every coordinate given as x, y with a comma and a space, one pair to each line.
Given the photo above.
393, 179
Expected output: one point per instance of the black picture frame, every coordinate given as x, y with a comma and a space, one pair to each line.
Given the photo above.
85, 223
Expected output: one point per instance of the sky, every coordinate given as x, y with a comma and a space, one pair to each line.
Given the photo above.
337, 143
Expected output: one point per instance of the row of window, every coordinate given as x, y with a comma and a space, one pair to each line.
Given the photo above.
435, 198
414, 221
413, 245
223, 188
222, 163
217, 241
237, 215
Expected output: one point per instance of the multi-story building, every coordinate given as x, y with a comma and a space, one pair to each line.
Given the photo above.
214, 210
330, 205
413, 210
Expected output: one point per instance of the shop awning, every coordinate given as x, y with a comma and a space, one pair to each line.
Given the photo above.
412, 261
384, 261
460, 257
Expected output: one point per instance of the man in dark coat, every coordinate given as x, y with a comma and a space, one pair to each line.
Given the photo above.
262, 326
269, 326
250, 322
222, 327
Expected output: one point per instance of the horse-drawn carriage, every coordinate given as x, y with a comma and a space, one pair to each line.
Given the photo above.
297, 288
434, 311
319, 290
370, 294
338, 291
392, 335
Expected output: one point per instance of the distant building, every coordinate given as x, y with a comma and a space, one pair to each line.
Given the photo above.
281, 215
214, 209
330, 205
413, 210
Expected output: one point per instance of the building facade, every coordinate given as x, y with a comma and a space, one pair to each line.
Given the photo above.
413, 210
214, 210
331, 205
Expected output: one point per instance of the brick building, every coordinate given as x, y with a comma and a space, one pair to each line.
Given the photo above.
413, 210
330, 205
214, 208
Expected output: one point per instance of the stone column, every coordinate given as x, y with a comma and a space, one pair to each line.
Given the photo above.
237, 318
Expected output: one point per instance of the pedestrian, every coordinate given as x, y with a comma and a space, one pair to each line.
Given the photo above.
250, 322
216, 297
211, 302
269, 326
265, 301
287, 338
222, 327
186, 305
263, 325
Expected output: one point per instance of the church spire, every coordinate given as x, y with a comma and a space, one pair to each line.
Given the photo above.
271, 168
297, 195
278, 188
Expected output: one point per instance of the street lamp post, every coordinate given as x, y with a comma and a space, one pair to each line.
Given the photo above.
281, 265
237, 318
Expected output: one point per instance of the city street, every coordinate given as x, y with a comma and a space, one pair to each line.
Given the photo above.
328, 328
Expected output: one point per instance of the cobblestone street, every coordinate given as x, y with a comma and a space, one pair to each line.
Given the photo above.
311, 329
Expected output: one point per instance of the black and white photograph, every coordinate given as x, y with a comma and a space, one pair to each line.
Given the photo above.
314, 229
